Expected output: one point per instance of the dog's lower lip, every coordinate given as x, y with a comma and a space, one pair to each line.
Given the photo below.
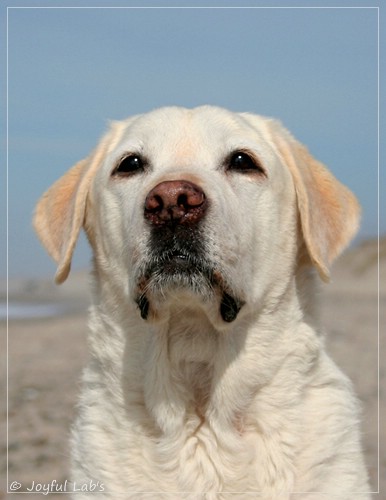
179, 258
177, 261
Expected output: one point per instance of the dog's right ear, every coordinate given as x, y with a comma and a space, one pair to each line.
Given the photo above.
61, 211
59, 216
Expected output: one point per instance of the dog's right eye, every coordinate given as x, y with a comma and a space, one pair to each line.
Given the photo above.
129, 165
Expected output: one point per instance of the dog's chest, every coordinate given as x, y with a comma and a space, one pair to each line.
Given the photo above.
206, 458
199, 459
197, 444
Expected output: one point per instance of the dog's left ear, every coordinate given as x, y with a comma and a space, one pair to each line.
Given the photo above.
329, 212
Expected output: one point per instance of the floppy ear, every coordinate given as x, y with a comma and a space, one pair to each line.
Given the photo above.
329, 212
61, 211
59, 216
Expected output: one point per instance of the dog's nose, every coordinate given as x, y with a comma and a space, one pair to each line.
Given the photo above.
175, 202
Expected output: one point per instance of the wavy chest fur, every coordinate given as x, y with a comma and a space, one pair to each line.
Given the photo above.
187, 409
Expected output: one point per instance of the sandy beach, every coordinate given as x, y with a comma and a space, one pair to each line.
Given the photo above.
47, 353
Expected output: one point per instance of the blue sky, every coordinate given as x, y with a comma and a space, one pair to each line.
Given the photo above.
70, 70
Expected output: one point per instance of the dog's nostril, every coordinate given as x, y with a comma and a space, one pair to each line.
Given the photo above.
154, 203
182, 200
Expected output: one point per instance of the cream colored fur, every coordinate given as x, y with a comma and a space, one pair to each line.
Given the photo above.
184, 404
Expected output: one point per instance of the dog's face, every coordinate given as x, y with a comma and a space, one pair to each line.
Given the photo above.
199, 207
194, 206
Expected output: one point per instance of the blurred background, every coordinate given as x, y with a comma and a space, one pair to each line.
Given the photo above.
71, 69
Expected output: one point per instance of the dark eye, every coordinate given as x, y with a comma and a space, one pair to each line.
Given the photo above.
129, 165
243, 162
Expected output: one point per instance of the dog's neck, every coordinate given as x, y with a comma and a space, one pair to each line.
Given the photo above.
184, 369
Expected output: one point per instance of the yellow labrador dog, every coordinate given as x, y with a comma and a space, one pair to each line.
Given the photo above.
207, 377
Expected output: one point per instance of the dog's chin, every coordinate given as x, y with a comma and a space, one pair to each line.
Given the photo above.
167, 278
180, 277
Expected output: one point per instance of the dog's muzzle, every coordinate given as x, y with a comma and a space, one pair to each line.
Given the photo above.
175, 211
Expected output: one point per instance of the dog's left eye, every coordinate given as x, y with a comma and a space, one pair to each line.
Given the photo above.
243, 162
129, 165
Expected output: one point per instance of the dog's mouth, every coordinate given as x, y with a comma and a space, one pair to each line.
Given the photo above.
175, 269
178, 262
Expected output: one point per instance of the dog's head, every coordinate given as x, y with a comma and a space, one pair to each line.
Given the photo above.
198, 206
